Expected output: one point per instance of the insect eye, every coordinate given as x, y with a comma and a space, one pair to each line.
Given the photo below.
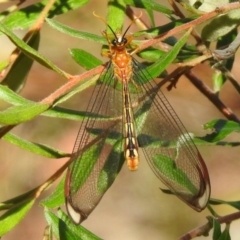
114, 42
124, 40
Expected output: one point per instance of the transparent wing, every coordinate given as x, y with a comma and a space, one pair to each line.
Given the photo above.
97, 156
167, 145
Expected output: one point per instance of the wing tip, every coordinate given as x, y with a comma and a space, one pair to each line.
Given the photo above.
76, 216
204, 198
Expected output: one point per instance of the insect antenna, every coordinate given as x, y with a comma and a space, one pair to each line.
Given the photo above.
138, 17
97, 16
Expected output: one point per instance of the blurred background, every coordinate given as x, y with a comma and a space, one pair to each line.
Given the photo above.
134, 207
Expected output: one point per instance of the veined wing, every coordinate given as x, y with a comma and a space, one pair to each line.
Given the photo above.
168, 147
97, 156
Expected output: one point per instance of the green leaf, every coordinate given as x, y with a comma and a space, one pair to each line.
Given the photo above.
9, 96
85, 59
13, 216
16, 200
218, 81
112, 137
149, 4
141, 115
221, 128
159, 66
151, 54
204, 141
17, 76
75, 33
56, 199
72, 114
116, 15
82, 169
167, 167
220, 25
65, 113
4, 65
30, 52
22, 113
36, 148
25, 17
156, 31
151, 16
83, 165
111, 167
225, 234
235, 204
216, 229
63, 228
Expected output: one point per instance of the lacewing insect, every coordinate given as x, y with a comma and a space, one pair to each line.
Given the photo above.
127, 111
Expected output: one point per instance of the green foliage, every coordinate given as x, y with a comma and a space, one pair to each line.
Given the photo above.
21, 110
13, 216
63, 228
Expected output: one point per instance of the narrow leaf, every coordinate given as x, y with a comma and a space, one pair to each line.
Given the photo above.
216, 229
63, 227
30, 52
22, 113
235, 204
13, 201
75, 33
3, 65
218, 81
25, 17
151, 54
149, 4
11, 97
56, 199
17, 76
204, 141
156, 31
85, 166
36, 148
221, 128
116, 15
12, 217
167, 167
159, 66
111, 167
85, 59
225, 234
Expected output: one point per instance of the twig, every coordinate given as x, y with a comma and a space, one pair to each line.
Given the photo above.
75, 80
178, 12
206, 227
227, 112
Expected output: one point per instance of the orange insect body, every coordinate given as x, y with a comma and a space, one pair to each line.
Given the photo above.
122, 67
